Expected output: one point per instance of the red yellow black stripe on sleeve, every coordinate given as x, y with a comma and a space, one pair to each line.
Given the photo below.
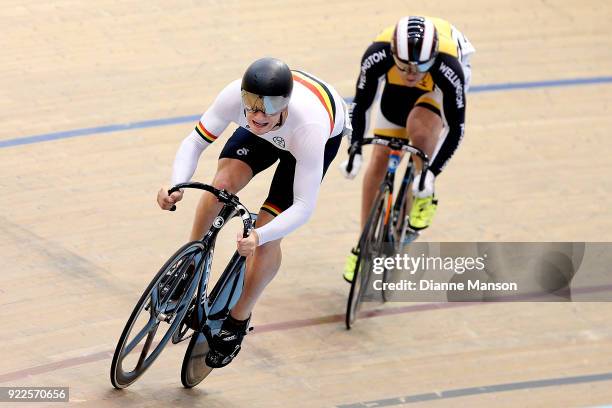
206, 135
321, 92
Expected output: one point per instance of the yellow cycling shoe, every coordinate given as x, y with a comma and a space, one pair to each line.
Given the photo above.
422, 212
349, 266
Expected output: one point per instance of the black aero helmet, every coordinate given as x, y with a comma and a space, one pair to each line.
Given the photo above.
266, 86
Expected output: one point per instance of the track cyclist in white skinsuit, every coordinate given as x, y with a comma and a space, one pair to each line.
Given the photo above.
284, 115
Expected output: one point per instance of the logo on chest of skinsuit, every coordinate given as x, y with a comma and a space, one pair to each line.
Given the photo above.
279, 141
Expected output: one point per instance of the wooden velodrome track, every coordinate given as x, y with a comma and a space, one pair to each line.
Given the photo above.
81, 234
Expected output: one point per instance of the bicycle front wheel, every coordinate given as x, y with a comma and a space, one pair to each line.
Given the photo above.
157, 314
373, 233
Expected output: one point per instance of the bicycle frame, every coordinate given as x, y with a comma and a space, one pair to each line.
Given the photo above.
231, 208
211, 310
387, 186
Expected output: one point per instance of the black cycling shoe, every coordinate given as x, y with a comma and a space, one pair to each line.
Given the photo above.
226, 344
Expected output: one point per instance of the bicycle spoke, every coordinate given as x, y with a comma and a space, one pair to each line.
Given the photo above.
143, 332
146, 347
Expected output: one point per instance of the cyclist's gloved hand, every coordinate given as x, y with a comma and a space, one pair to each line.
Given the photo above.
356, 166
166, 201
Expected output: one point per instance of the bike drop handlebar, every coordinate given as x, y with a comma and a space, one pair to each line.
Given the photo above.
395, 144
223, 196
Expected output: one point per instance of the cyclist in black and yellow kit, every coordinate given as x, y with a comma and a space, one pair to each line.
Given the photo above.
424, 65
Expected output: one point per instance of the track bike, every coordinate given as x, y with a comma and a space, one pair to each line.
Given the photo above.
176, 305
387, 229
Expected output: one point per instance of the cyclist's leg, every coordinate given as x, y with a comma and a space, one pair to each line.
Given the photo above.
261, 269
265, 262
263, 265
243, 156
377, 167
424, 125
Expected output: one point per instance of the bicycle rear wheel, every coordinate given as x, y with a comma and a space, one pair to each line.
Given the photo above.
223, 297
372, 233
194, 368
164, 304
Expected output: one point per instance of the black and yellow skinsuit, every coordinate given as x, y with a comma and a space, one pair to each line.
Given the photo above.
397, 99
